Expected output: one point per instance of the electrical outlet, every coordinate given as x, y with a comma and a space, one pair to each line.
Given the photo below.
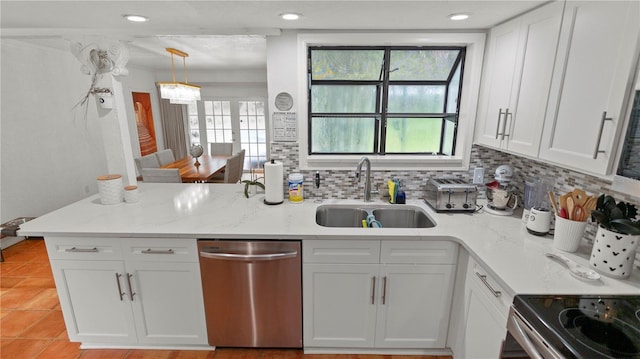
478, 175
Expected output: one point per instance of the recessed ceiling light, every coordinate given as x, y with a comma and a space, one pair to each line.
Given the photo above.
136, 18
290, 16
460, 16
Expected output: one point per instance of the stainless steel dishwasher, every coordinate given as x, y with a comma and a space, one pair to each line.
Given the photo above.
252, 292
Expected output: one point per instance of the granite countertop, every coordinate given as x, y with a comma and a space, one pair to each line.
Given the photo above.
500, 243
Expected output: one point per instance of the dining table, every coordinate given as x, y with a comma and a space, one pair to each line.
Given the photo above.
204, 169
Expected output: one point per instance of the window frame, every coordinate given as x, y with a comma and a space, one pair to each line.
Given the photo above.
383, 85
474, 43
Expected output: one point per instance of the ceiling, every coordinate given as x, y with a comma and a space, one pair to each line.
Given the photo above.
222, 35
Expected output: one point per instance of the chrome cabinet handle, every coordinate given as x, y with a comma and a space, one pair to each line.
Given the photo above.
81, 250
604, 119
158, 251
373, 290
131, 292
507, 115
120, 292
500, 113
483, 278
384, 290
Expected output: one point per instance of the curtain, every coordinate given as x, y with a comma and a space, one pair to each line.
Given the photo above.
173, 131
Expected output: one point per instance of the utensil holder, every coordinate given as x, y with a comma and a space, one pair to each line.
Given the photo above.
613, 253
568, 234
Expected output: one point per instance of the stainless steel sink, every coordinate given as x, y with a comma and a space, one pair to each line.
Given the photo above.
340, 216
403, 217
392, 216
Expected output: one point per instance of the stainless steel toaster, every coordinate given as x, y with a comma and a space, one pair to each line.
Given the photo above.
451, 194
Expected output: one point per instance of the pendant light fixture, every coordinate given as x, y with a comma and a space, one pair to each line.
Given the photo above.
179, 92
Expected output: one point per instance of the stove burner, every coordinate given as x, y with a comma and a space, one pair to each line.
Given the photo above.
605, 334
638, 314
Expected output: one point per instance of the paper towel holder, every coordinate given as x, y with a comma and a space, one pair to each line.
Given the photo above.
272, 162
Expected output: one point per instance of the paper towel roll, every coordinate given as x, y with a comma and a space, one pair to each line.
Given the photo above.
273, 182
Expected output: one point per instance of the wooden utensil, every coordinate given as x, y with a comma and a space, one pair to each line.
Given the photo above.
570, 207
552, 198
563, 200
590, 206
579, 196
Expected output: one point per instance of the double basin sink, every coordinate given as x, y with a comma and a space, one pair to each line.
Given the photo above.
388, 216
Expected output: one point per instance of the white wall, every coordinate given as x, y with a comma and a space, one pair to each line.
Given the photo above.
50, 154
282, 68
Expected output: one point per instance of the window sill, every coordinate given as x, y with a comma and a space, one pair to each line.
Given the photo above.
378, 163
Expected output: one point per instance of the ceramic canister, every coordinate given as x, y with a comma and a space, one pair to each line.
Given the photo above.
613, 253
131, 194
110, 189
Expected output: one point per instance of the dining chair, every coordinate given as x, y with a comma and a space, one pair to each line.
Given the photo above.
232, 170
165, 175
165, 156
221, 149
148, 161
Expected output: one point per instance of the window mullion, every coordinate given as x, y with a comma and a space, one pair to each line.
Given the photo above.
381, 148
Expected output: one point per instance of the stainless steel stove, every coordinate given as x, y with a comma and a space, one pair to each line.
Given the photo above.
574, 326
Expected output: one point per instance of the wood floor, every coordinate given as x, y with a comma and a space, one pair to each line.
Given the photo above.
31, 324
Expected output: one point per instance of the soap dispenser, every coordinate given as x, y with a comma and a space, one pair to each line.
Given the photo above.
401, 198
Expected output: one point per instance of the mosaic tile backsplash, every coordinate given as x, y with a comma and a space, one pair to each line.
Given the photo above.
341, 183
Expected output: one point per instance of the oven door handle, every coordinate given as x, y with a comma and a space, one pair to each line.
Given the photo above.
249, 257
518, 329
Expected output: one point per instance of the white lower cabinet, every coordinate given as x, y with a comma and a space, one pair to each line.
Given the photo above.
111, 294
339, 305
482, 325
91, 301
413, 309
377, 294
167, 305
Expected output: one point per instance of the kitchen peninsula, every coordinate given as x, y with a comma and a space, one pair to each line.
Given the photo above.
179, 214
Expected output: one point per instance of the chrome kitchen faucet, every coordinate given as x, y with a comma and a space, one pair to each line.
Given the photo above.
367, 183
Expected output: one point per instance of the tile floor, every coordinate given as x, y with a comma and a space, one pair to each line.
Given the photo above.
31, 323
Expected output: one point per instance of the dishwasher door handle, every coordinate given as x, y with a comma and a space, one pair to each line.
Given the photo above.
249, 257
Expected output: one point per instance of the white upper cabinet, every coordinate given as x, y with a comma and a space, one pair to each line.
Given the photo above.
517, 79
591, 79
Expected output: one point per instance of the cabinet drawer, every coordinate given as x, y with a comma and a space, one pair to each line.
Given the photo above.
83, 248
341, 251
489, 286
160, 249
419, 252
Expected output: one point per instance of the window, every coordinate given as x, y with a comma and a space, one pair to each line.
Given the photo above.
253, 133
217, 115
220, 120
384, 100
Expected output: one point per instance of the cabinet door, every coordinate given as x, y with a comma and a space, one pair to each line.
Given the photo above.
497, 83
339, 305
598, 41
94, 300
485, 328
539, 33
167, 302
413, 306
486, 309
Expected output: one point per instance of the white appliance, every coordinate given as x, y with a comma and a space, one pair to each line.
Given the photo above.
500, 193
